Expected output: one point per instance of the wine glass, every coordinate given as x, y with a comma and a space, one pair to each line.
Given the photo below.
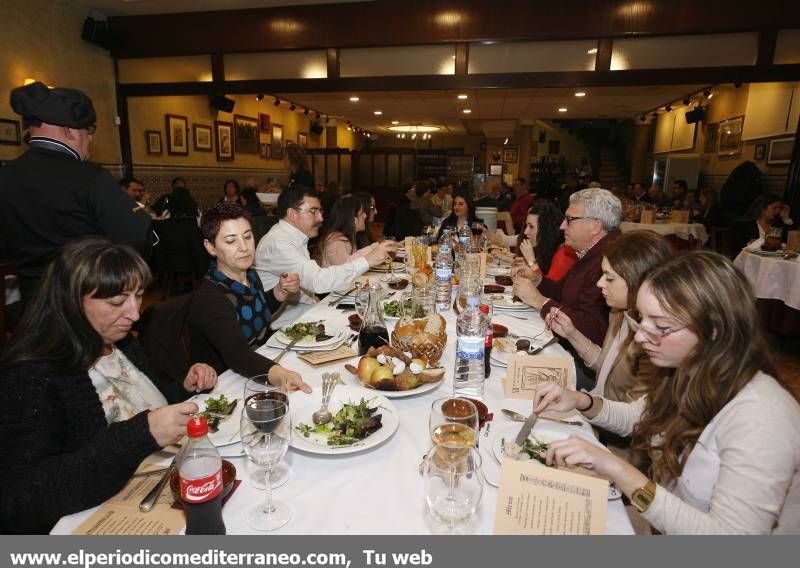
280, 473
453, 425
361, 298
452, 494
391, 258
266, 428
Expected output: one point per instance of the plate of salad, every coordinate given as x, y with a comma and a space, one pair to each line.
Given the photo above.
360, 421
393, 310
313, 334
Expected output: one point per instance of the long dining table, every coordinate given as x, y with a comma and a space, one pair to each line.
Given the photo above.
378, 490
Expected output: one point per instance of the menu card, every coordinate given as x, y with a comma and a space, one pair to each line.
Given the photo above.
527, 372
120, 515
323, 357
536, 500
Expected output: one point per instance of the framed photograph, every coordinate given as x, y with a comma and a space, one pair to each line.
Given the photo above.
510, 155
10, 132
711, 137
264, 151
780, 151
760, 152
202, 137
263, 123
730, 136
223, 132
302, 139
276, 144
177, 135
246, 134
153, 138
495, 169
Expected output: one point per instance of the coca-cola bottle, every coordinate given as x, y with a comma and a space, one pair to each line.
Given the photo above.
200, 473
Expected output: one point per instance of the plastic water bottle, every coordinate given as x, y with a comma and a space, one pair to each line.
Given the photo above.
200, 474
471, 327
444, 275
446, 241
464, 237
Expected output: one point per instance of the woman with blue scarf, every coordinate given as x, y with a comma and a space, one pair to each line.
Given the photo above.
230, 312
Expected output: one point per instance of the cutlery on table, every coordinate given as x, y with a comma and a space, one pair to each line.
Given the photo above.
526, 429
151, 498
517, 417
292, 343
535, 350
323, 415
150, 472
336, 301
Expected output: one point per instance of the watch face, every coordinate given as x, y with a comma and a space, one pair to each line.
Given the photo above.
643, 497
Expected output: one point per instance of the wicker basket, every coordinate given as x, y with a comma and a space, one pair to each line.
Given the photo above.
431, 351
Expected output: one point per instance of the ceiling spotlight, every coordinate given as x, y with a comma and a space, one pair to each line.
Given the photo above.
668, 108
403, 136
562, 109
505, 142
580, 94
259, 97
414, 136
378, 112
305, 112
395, 122
354, 99
592, 51
277, 102
687, 101
466, 111
463, 97
292, 107
398, 136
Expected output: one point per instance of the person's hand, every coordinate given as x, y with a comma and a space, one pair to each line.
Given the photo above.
287, 284
200, 377
526, 290
577, 451
168, 423
294, 381
379, 254
551, 396
785, 212
520, 269
560, 323
526, 248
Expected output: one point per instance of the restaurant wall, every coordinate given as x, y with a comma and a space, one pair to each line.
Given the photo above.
41, 40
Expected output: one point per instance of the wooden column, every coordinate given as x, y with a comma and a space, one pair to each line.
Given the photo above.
792, 193
524, 135
641, 139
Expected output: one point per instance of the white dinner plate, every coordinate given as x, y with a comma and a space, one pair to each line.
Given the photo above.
384, 267
506, 302
303, 406
335, 332
546, 432
351, 380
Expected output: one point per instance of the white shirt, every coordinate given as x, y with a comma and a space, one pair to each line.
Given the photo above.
285, 249
742, 476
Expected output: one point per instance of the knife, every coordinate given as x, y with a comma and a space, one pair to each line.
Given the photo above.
285, 349
526, 429
151, 498
342, 297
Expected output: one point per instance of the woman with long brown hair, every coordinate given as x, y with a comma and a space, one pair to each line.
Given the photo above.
718, 430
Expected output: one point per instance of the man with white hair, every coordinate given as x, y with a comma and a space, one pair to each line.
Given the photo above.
590, 223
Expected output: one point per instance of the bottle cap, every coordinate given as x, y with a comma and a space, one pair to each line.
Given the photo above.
485, 308
197, 427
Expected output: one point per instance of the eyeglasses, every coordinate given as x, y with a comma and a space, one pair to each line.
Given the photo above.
654, 336
314, 211
373, 208
569, 219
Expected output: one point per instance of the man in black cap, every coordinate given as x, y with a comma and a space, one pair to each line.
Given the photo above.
52, 195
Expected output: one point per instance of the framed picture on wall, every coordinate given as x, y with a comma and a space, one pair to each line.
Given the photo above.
202, 137
223, 132
510, 155
302, 139
780, 151
712, 134
10, 132
263, 123
760, 152
153, 139
264, 151
730, 136
276, 144
177, 135
246, 134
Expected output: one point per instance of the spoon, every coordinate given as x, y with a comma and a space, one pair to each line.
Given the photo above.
517, 417
323, 415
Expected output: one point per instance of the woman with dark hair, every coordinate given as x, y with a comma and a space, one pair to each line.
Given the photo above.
767, 212
230, 312
463, 213
181, 205
717, 431
367, 201
298, 168
81, 406
251, 203
541, 244
337, 238
231, 192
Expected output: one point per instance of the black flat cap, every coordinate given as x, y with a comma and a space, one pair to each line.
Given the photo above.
62, 107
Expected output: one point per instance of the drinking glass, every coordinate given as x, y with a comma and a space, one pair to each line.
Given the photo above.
453, 425
266, 428
280, 473
391, 258
453, 494
361, 298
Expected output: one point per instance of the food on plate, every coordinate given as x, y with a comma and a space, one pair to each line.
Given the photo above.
365, 368
215, 407
435, 324
353, 422
432, 375
499, 330
504, 344
355, 321
398, 308
382, 378
399, 284
420, 279
305, 330
504, 280
533, 448
389, 369
493, 289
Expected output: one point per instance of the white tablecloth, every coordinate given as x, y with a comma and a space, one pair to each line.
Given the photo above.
682, 230
772, 278
378, 491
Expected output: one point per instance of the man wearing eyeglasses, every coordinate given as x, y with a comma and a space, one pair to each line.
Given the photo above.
284, 249
52, 195
591, 221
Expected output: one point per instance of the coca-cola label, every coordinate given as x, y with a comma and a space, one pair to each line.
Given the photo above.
202, 489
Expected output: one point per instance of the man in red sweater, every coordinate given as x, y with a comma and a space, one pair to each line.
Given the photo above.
591, 221
523, 202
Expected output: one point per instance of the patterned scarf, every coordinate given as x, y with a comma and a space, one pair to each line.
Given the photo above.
250, 303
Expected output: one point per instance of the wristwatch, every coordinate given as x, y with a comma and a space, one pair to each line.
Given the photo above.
643, 497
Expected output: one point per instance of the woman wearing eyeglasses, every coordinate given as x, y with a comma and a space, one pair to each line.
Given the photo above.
717, 428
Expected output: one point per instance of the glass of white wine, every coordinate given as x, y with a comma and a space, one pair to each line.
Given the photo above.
453, 494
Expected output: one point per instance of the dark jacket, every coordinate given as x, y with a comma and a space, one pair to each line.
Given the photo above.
578, 296
61, 455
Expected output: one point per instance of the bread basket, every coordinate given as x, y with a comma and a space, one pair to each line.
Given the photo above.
431, 349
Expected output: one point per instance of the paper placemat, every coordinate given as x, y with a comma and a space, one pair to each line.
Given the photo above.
317, 358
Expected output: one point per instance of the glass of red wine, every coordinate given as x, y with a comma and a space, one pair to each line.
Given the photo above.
266, 429
280, 473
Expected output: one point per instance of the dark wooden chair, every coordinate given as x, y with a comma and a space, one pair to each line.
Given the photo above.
179, 257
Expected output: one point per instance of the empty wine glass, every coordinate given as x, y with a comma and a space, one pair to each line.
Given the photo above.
280, 473
266, 428
391, 258
452, 494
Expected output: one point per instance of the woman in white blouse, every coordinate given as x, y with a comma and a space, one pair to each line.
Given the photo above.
337, 239
718, 428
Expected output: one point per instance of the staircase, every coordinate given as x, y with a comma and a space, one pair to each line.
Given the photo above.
610, 173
